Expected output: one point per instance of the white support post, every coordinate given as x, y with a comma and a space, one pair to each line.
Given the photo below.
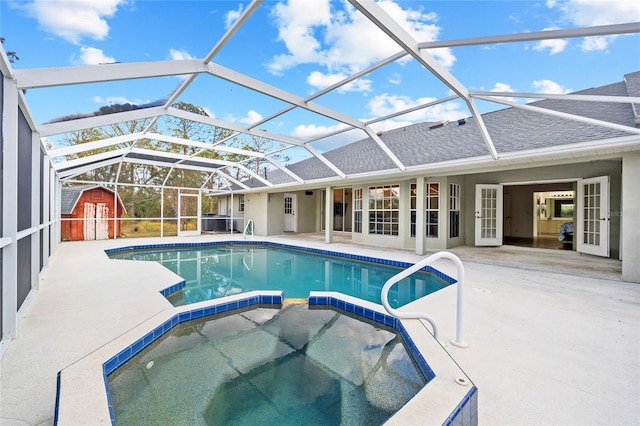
35, 210
10, 210
46, 213
115, 212
162, 212
420, 219
54, 210
328, 215
231, 214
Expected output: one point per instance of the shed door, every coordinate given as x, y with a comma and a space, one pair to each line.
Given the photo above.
102, 221
592, 236
488, 213
89, 221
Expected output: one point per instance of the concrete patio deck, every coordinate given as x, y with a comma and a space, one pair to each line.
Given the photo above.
554, 337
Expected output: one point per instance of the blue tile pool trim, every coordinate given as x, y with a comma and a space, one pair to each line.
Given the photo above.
116, 361
381, 318
444, 277
466, 413
172, 289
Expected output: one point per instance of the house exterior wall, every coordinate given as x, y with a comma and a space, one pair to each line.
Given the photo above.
267, 209
228, 208
275, 214
267, 212
255, 207
307, 211
630, 216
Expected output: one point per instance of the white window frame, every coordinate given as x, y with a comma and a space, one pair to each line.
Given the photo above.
384, 210
454, 210
432, 209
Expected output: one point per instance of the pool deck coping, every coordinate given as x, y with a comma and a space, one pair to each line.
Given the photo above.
546, 346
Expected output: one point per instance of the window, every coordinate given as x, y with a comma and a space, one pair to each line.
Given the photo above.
288, 205
412, 209
241, 203
357, 210
454, 210
384, 209
432, 206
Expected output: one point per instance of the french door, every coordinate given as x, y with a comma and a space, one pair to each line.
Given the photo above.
592, 230
488, 215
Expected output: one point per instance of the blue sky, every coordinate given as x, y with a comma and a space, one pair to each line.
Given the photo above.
303, 46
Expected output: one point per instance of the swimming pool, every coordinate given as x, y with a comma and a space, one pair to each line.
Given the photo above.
292, 365
216, 270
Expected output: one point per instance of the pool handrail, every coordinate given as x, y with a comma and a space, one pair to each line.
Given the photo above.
249, 225
421, 315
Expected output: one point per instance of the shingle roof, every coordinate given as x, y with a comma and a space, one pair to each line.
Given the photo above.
69, 196
511, 129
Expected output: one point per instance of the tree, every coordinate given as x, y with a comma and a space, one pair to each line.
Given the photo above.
263, 145
195, 131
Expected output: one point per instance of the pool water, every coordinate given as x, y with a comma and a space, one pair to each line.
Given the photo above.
268, 366
216, 271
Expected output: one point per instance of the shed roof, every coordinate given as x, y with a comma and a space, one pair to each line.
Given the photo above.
69, 196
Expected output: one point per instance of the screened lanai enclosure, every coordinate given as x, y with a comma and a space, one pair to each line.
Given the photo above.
180, 168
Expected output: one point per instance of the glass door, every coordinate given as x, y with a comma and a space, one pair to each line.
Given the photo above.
488, 215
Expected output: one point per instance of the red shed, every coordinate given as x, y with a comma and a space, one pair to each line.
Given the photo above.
87, 213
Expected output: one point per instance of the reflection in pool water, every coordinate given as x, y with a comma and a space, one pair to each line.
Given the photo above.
293, 365
221, 270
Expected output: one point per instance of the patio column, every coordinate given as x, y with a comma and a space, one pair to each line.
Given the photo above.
630, 220
328, 215
35, 210
420, 220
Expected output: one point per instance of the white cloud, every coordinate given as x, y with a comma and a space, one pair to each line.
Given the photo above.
345, 41
503, 87
74, 20
596, 43
555, 46
92, 56
177, 55
597, 12
320, 81
548, 86
385, 104
232, 16
308, 131
251, 117
395, 78
112, 100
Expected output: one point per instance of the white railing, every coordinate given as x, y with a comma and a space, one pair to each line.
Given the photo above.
421, 315
248, 229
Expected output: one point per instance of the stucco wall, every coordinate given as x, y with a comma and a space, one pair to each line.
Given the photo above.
307, 211
630, 215
255, 207
275, 214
